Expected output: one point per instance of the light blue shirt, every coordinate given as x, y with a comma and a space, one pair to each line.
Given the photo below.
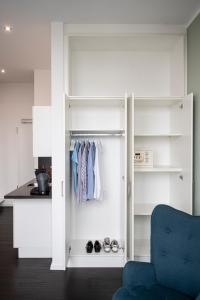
74, 159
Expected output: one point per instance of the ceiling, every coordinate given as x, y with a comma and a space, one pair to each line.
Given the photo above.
28, 46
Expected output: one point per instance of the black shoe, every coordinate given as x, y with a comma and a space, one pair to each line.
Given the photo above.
89, 247
97, 246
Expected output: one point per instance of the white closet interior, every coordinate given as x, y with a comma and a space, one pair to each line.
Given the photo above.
127, 90
99, 119
165, 127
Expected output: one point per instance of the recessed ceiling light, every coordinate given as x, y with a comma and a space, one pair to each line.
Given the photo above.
8, 28
3, 71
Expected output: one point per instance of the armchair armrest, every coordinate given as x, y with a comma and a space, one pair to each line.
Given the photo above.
137, 274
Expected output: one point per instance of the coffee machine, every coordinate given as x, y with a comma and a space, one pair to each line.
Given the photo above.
42, 178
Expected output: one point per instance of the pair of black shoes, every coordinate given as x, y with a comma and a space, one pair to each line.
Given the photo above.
89, 247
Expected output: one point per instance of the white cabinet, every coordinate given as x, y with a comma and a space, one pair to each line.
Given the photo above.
42, 131
99, 65
165, 127
32, 227
103, 119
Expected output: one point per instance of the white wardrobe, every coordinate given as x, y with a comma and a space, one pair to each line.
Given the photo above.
123, 85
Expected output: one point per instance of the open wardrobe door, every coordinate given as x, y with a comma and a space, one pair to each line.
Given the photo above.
130, 178
188, 151
67, 182
127, 174
67, 151
183, 155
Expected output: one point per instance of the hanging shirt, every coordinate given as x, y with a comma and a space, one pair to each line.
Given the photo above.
90, 171
84, 174
97, 172
80, 188
74, 159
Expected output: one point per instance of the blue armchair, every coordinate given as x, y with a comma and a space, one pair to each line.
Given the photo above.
174, 271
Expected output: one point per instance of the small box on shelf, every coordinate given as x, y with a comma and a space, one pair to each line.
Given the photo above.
143, 158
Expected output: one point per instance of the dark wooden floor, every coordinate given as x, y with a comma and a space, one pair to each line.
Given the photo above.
31, 279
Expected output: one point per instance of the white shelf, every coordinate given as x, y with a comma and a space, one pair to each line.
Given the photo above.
158, 101
142, 247
144, 209
80, 258
158, 135
78, 249
95, 101
163, 169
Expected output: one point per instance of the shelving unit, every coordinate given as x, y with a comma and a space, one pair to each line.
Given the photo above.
164, 126
101, 118
79, 256
160, 169
158, 101
159, 135
94, 115
93, 64
95, 101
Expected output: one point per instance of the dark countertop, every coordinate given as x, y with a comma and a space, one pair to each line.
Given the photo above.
23, 192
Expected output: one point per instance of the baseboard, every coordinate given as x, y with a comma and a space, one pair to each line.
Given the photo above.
6, 202
57, 267
95, 261
34, 252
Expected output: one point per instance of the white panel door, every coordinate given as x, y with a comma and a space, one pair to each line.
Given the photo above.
182, 156
130, 177
67, 151
186, 155
42, 131
188, 146
131, 185
126, 175
25, 155
67, 182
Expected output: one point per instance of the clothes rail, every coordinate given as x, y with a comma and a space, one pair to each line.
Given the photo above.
95, 134
91, 133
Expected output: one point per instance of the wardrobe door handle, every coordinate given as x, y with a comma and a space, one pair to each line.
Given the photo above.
62, 188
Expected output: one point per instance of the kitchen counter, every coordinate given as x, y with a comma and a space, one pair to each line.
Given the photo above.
31, 222
24, 192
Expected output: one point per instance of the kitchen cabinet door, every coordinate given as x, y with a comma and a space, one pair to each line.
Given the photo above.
41, 131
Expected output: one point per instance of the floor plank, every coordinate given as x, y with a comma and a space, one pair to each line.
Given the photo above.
31, 279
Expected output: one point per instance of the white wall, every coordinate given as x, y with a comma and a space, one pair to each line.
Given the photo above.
42, 87
16, 159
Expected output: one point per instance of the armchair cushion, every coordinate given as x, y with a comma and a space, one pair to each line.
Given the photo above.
155, 292
138, 274
173, 273
175, 249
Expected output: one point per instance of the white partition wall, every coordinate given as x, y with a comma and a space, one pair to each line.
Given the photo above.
123, 86
58, 149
